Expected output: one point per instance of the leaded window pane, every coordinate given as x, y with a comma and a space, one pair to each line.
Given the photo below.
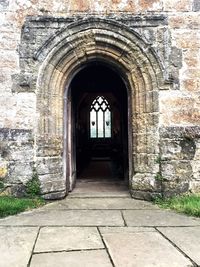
107, 124
100, 118
93, 124
100, 124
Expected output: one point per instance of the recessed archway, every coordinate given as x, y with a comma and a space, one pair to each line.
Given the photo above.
113, 44
99, 121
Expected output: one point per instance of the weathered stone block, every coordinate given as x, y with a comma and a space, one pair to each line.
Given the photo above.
180, 166
140, 122
180, 132
150, 5
191, 58
187, 39
23, 83
182, 108
196, 5
145, 163
176, 59
52, 183
15, 135
9, 60
190, 85
55, 195
17, 190
177, 149
8, 41
19, 172
149, 108
195, 186
152, 143
185, 21
191, 73
145, 182
49, 165
49, 146
175, 188
4, 4
170, 149
177, 170
3, 172
140, 141
18, 151
179, 5
196, 169
197, 151
146, 195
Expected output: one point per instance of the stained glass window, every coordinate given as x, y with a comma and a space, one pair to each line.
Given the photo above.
100, 118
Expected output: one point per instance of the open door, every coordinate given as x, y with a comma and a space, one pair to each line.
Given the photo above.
71, 143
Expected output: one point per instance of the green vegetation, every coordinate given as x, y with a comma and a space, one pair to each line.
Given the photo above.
188, 204
159, 176
11, 205
158, 160
33, 186
1, 185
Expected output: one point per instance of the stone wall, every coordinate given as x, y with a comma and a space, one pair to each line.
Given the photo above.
169, 28
16, 160
180, 161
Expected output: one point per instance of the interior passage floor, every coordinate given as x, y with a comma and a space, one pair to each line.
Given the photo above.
100, 179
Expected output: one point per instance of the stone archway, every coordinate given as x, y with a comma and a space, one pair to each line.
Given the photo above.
65, 53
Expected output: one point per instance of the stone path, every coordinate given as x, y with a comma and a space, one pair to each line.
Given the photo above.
101, 232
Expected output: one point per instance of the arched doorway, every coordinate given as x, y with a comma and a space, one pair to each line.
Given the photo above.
99, 117
62, 57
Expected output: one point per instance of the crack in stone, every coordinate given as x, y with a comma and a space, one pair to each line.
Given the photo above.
32, 252
106, 248
125, 224
66, 250
174, 245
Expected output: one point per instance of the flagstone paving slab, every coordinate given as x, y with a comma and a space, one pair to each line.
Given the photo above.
66, 218
158, 218
143, 249
187, 239
68, 238
16, 244
98, 258
107, 229
101, 203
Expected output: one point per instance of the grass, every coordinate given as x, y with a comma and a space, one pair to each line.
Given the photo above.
188, 204
11, 205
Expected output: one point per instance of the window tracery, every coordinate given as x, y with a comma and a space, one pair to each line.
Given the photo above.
100, 118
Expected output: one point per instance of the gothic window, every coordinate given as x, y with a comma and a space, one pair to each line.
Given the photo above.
100, 118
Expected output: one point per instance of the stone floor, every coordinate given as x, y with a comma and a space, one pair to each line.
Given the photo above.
101, 231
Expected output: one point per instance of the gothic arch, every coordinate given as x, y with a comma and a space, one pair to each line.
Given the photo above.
86, 41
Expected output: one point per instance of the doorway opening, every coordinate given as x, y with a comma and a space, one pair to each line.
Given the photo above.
99, 112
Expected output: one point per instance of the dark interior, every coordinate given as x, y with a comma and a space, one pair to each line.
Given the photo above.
100, 157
